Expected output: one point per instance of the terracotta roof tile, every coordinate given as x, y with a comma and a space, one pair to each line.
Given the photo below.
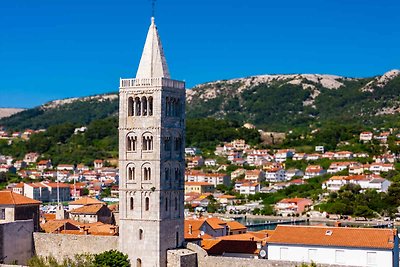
334, 236
88, 209
11, 198
234, 225
86, 201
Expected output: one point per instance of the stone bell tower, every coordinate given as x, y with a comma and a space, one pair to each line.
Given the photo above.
151, 158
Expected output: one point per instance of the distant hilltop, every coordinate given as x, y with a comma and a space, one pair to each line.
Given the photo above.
7, 112
271, 102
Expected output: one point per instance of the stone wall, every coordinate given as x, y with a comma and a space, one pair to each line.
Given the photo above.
62, 246
16, 241
203, 260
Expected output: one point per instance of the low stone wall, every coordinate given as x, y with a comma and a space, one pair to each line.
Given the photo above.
204, 260
62, 246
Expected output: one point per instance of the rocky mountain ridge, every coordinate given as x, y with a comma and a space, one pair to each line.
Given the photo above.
272, 102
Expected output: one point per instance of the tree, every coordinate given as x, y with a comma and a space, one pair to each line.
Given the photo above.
112, 258
363, 211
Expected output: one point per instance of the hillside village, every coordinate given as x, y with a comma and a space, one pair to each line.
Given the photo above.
237, 180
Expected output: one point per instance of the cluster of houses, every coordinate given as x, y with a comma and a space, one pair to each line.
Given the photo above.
320, 244
72, 181
25, 135
82, 216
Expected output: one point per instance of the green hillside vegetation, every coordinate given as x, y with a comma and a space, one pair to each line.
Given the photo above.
61, 145
279, 106
78, 112
100, 140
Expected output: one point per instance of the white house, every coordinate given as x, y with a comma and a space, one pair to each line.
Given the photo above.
366, 136
254, 175
282, 154
335, 245
210, 162
275, 175
343, 155
248, 188
313, 171
293, 172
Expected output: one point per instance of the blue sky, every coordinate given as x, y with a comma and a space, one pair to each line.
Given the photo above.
51, 49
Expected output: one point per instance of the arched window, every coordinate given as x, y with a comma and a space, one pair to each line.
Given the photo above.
150, 101
131, 203
144, 106
131, 142
172, 106
166, 174
130, 106
167, 144
144, 143
168, 106
147, 204
177, 143
177, 172
177, 107
138, 108
131, 173
140, 234
176, 203
147, 142
166, 204
147, 173
138, 263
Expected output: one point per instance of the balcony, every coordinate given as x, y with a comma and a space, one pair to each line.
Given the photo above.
151, 82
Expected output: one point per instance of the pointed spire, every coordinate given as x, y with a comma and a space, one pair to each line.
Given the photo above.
153, 63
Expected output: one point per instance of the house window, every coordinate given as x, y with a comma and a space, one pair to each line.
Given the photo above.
140, 234
131, 203
2, 214
339, 256
178, 143
166, 204
176, 203
138, 263
147, 204
177, 239
371, 259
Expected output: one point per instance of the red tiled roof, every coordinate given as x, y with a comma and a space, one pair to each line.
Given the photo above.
86, 201
334, 236
11, 198
234, 225
88, 209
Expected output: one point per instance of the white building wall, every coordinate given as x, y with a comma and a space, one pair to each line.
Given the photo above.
331, 255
